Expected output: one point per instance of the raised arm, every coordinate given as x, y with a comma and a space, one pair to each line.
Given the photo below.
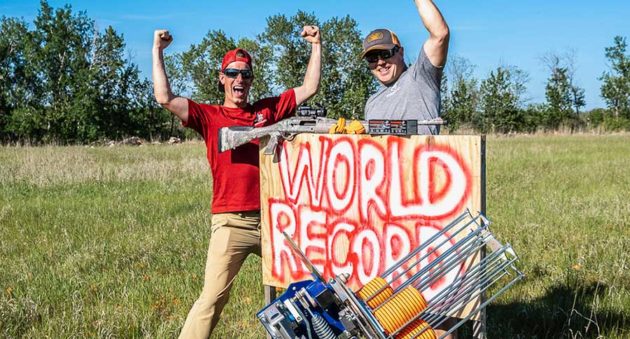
436, 47
310, 85
161, 88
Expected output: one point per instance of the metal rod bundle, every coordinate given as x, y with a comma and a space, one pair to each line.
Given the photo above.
447, 276
458, 249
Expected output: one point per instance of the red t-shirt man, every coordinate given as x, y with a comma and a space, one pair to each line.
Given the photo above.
236, 188
235, 179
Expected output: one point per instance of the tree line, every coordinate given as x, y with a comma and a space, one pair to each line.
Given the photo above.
497, 104
63, 80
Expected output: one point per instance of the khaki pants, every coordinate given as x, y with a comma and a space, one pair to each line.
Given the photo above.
234, 237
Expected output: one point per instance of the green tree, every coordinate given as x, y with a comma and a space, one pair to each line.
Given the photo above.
202, 63
346, 80
18, 81
558, 94
146, 118
118, 94
501, 96
462, 96
195, 72
280, 59
262, 86
107, 96
63, 41
289, 52
533, 114
616, 83
64, 81
564, 98
596, 116
578, 98
181, 84
445, 99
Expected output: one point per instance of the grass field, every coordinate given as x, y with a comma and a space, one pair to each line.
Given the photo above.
111, 242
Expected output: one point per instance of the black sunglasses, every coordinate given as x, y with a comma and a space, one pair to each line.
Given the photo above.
382, 54
234, 72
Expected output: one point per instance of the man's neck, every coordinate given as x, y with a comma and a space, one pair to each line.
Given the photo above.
230, 104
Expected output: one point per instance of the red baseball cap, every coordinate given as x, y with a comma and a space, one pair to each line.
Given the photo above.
236, 54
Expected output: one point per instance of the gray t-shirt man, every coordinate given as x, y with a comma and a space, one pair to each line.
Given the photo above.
414, 96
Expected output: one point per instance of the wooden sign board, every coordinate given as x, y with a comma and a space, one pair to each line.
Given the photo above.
356, 204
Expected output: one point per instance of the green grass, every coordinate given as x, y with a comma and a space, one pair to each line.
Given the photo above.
564, 204
111, 242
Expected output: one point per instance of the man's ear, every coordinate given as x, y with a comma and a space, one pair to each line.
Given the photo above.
222, 78
401, 55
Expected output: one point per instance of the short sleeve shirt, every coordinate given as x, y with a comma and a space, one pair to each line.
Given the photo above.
414, 96
235, 173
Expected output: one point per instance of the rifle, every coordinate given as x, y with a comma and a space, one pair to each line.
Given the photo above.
308, 121
232, 137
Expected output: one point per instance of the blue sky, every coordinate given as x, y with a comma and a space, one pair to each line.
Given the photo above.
488, 33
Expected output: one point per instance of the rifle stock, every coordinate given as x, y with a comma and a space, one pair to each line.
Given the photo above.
232, 137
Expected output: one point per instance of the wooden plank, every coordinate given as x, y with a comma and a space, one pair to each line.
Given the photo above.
356, 204
480, 330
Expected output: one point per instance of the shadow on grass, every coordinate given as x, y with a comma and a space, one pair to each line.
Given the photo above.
566, 311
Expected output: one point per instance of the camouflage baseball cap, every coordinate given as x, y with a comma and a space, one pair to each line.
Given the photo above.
379, 39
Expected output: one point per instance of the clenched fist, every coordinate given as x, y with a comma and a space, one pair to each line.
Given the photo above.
162, 38
311, 34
